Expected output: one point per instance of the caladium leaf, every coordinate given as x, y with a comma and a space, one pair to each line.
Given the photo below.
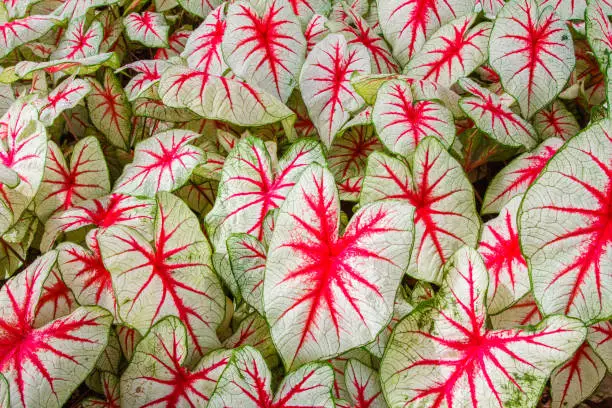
163, 162
64, 186
441, 355
339, 366
24, 30
315, 30
247, 257
220, 98
56, 300
599, 29
109, 110
264, 45
149, 73
567, 10
170, 277
600, 339
401, 122
452, 52
517, 176
148, 28
525, 312
65, 96
114, 209
325, 83
200, 8
407, 23
556, 121
254, 331
157, 375
71, 9
445, 215
79, 41
564, 228
532, 51
110, 387
35, 360
203, 48
343, 286
501, 252
400, 310
176, 45
363, 385
247, 382
199, 194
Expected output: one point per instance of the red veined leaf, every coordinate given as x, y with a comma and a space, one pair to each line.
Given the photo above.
23, 147
149, 74
109, 110
110, 387
564, 227
35, 360
148, 28
363, 385
251, 186
307, 9
499, 247
577, 378
441, 355
445, 216
15, 243
263, 44
79, 41
108, 362
315, 31
525, 312
567, 9
254, 331
452, 52
247, 382
17, 8
492, 116
176, 45
82, 66
170, 277
163, 162
490, 7
556, 121
199, 194
600, 339
65, 96
55, 301
155, 109
63, 186
158, 374
402, 123
531, 49
71, 9
518, 175
83, 271
247, 256
340, 287
599, 29
24, 30
114, 209
325, 83
203, 48
303, 125
339, 366
400, 309
407, 23
381, 59
200, 8
128, 339
220, 98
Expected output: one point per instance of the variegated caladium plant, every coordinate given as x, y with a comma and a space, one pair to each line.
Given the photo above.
305, 203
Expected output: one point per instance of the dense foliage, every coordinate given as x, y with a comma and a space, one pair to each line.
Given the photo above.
305, 203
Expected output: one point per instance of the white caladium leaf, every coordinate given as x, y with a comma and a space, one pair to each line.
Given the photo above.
318, 283
148, 28
71, 9
55, 300
114, 209
517, 176
44, 365
149, 74
532, 51
254, 331
264, 45
79, 41
525, 312
445, 215
441, 355
170, 277
64, 186
501, 252
65, 96
363, 385
158, 374
23, 148
109, 110
567, 9
110, 388
599, 29
407, 23
600, 339
325, 83
555, 121
199, 194
564, 228
220, 98
247, 257
247, 382
176, 45
200, 8
17, 8
315, 30
401, 122
452, 52
491, 115
66, 66
163, 162
24, 30
203, 47
339, 366
400, 310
